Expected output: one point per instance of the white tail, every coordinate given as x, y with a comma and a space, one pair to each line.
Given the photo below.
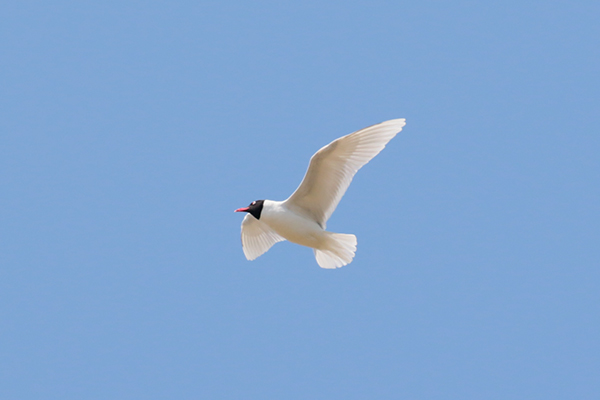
338, 252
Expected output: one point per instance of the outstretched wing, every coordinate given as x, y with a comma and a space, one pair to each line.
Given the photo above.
332, 168
257, 237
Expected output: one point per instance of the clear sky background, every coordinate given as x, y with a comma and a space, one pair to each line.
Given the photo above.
131, 130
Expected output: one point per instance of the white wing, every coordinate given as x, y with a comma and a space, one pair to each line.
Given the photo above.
257, 237
332, 168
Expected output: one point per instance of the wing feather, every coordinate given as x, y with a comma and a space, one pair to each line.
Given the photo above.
257, 237
332, 168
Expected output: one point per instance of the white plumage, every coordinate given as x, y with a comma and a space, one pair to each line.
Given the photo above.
302, 218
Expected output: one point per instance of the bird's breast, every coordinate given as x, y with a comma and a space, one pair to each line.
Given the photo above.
292, 226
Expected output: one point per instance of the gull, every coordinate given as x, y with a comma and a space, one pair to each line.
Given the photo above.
302, 218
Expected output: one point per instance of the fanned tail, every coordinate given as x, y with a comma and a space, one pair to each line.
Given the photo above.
339, 252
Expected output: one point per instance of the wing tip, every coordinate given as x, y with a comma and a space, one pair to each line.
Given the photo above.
398, 122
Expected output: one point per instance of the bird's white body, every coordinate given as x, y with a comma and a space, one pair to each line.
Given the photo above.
291, 225
302, 218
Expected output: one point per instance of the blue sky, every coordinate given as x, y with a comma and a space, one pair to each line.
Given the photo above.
131, 130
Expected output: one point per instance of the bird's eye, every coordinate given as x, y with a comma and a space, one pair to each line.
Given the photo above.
253, 203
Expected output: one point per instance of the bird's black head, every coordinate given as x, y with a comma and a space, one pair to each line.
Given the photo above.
255, 208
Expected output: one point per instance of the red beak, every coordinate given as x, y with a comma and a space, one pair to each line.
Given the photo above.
242, 209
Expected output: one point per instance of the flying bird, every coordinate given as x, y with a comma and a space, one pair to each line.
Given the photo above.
302, 218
